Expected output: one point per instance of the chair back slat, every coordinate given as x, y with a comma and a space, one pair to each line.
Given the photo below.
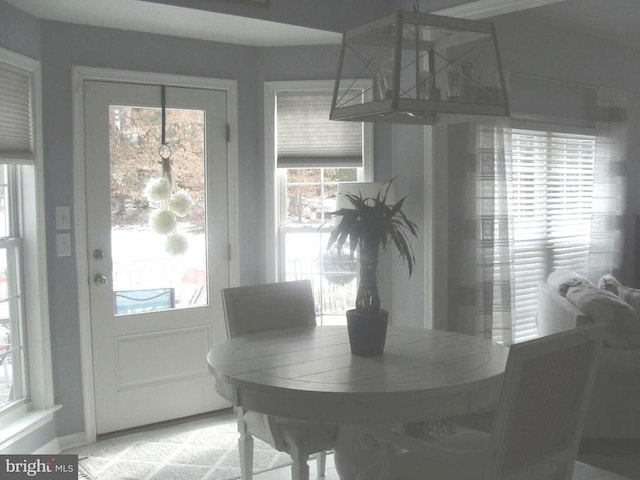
546, 390
264, 307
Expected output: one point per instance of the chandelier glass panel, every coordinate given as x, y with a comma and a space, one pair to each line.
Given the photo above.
427, 69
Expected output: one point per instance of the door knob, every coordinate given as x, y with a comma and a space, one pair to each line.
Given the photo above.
100, 279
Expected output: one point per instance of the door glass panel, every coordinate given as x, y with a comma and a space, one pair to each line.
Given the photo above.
159, 259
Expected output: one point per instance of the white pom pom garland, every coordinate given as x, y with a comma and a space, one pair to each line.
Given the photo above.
163, 221
158, 189
180, 203
176, 244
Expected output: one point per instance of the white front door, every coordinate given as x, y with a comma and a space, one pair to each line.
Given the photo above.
156, 266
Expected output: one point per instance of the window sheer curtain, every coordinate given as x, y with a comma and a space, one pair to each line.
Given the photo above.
607, 223
487, 302
488, 308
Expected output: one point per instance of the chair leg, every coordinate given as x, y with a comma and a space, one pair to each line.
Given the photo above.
300, 467
322, 462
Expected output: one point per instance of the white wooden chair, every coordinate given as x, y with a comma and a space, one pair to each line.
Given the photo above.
263, 307
536, 429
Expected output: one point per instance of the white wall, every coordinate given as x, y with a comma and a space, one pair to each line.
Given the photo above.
408, 160
19, 32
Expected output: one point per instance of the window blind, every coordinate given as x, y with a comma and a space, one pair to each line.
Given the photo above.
306, 137
16, 120
552, 190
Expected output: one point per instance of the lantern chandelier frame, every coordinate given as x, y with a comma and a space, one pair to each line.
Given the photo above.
427, 69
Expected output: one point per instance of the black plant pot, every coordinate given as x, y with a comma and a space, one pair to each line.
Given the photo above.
367, 332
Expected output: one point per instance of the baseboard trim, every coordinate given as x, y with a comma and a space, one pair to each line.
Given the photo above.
72, 441
53, 447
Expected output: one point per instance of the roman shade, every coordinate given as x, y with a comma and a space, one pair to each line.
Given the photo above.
307, 138
16, 115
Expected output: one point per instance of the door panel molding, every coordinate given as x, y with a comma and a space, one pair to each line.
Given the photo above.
81, 74
160, 350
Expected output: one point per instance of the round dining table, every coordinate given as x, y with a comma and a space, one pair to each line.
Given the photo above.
310, 374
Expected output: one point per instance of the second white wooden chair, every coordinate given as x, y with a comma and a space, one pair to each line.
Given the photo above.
537, 426
264, 307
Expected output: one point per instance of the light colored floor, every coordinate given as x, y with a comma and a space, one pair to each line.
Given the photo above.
284, 473
140, 455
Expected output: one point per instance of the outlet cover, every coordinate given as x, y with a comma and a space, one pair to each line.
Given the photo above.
63, 244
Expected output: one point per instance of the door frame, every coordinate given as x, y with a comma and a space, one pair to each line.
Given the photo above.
81, 74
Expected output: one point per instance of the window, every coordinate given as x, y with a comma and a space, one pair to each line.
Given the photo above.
308, 196
25, 364
311, 156
13, 385
552, 191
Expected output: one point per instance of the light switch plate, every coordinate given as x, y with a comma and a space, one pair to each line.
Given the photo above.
63, 218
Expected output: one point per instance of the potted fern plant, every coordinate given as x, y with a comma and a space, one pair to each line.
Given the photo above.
369, 225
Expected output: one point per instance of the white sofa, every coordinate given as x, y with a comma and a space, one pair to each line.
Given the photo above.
615, 406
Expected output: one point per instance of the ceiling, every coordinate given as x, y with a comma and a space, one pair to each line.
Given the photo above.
617, 20
178, 21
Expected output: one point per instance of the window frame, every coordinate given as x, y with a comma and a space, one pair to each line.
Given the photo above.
38, 409
273, 181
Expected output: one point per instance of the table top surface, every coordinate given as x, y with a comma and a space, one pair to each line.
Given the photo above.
293, 363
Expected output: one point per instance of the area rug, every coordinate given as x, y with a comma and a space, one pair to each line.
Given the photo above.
194, 452
207, 449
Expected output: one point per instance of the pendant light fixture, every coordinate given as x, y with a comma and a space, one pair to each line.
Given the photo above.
427, 69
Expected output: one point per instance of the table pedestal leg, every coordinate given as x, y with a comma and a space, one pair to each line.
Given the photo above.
354, 457
245, 447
